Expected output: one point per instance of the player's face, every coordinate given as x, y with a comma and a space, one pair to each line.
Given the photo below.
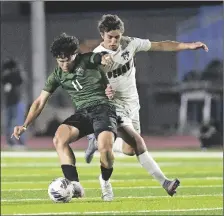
66, 64
111, 39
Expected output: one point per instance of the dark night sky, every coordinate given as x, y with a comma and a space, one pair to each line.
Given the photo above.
88, 6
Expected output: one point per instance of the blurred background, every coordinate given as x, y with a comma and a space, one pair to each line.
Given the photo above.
181, 94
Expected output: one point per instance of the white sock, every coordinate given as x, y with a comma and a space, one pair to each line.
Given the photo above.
146, 160
75, 182
118, 144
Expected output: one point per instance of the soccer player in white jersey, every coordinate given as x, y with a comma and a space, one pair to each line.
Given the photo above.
121, 76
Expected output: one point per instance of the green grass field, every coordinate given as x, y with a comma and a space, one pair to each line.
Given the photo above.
25, 179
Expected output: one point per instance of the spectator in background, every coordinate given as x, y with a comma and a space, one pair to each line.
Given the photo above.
12, 83
213, 71
210, 135
192, 75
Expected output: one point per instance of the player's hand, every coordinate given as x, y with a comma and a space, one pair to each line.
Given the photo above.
18, 130
109, 92
198, 45
107, 60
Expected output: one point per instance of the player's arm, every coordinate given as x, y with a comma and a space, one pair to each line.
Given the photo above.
177, 46
147, 45
38, 105
35, 110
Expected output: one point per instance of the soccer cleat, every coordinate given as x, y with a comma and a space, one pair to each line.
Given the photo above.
78, 190
107, 191
92, 147
171, 186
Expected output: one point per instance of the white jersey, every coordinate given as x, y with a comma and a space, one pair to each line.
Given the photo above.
121, 74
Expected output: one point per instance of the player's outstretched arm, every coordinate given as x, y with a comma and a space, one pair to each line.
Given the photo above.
35, 110
177, 46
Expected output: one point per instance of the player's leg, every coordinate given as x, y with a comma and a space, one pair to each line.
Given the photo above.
105, 141
64, 135
92, 147
105, 129
145, 159
119, 145
70, 130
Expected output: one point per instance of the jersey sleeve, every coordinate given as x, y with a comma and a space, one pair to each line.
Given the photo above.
141, 44
51, 84
94, 58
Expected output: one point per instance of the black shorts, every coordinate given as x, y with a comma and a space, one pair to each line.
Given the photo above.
94, 120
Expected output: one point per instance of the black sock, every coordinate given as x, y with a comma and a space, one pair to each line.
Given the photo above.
106, 173
70, 172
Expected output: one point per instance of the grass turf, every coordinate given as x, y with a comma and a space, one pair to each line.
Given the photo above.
24, 183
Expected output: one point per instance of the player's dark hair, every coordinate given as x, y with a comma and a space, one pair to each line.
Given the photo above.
110, 22
64, 46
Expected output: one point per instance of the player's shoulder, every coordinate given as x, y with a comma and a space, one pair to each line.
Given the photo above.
126, 40
99, 48
56, 73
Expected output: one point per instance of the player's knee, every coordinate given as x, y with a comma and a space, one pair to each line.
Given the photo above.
130, 152
58, 142
140, 144
105, 141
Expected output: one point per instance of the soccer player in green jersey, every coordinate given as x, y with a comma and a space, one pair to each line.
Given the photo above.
79, 76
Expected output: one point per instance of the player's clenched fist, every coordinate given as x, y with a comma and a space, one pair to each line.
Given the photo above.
18, 130
198, 45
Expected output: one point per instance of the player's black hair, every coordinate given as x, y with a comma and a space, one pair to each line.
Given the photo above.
110, 22
64, 46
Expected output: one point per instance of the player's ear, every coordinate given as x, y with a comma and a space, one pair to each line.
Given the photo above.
102, 34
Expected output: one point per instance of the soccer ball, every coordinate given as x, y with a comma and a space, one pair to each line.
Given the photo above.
61, 190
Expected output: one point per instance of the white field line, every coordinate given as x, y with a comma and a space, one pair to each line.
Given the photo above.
128, 197
118, 164
52, 154
80, 164
119, 188
114, 180
124, 212
10, 175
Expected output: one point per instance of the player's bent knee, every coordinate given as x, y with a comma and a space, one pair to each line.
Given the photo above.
139, 141
105, 141
58, 143
130, 152
64, 135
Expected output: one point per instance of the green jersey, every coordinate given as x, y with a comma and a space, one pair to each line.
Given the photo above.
85, 84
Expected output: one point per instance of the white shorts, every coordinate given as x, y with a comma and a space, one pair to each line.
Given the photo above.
129, 114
